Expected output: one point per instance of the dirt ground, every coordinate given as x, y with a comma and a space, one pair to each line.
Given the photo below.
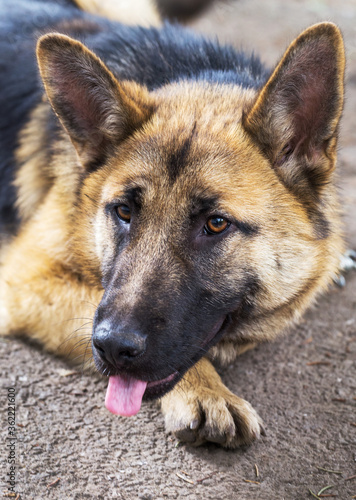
70, 447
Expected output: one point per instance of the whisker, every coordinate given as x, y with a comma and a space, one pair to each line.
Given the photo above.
75, 319
85, 354
82, 340
83, 326
78, 333
95, 306
80, 356
75, 335
77, 346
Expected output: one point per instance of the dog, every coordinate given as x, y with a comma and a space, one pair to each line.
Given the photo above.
173, 193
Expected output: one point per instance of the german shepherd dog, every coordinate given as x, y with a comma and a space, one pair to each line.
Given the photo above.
174, 192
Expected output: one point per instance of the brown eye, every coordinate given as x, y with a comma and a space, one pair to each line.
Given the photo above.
124, 213
216, 225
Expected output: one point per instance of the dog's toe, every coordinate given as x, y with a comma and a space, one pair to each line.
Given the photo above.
347, 264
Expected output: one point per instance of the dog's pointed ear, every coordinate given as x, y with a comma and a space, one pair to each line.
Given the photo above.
95, 109
295, 117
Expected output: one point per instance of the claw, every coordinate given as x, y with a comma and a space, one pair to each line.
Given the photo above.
339, 280
351, 253
194, 424
347, 263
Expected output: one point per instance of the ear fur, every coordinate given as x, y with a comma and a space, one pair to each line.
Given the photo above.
95, 109
295, 117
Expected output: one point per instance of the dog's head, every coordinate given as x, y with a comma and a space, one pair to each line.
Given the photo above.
204, 210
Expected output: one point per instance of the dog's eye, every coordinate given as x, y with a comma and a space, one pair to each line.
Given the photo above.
124, 213
216, 225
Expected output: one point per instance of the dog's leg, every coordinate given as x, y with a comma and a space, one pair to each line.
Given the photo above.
44, 301
200, 408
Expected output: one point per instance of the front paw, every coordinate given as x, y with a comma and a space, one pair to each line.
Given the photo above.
202, 414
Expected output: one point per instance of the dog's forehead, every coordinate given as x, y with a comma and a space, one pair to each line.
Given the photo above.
194, 150
191, 170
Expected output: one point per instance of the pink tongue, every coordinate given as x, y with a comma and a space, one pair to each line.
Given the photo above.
124, 395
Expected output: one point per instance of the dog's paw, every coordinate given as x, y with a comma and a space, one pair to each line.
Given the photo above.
347, 264
198, 416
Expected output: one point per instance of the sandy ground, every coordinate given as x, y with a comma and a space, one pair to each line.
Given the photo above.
69, 447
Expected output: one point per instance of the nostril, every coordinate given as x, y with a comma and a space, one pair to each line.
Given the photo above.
130, 345
100, 350
129, 353
97, 342
118, 348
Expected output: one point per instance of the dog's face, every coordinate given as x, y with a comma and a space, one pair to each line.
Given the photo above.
167, 234
201, 207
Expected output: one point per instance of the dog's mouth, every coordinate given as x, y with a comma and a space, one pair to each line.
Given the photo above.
125, 393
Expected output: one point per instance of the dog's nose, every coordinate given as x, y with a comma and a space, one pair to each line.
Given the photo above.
118, 347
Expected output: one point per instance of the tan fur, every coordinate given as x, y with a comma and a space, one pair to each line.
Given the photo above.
33, 176
50, 279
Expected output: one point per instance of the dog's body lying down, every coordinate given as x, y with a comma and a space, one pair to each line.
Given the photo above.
171, 192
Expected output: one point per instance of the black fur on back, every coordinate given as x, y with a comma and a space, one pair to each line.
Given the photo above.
153, 57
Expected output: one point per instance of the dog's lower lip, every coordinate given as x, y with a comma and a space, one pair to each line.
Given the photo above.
157, 388
168, 379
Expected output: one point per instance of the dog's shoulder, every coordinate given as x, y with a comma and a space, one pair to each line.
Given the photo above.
21, 90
